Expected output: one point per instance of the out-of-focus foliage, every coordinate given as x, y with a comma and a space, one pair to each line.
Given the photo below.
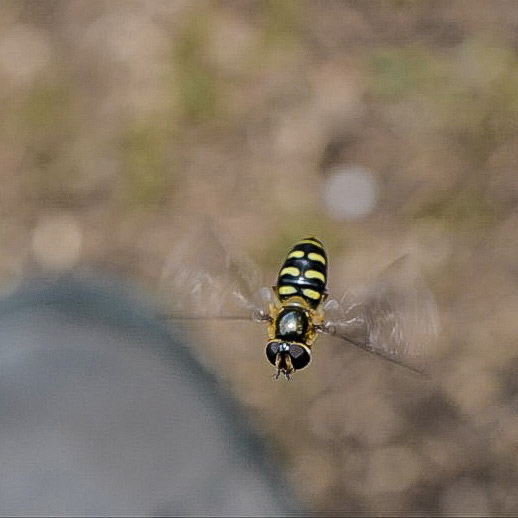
196, 77
144, 164
122, 123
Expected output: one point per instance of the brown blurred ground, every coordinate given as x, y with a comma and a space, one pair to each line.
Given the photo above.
123, 122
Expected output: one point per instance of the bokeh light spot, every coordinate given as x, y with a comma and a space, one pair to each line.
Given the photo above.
24, 51
57, 242
349, 192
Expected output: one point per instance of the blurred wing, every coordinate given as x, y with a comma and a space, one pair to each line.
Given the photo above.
395, 316
202, 278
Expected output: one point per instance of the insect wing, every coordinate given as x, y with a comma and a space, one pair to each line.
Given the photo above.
395, 316
203, 278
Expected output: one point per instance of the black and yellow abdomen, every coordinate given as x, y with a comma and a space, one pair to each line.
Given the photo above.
304, 272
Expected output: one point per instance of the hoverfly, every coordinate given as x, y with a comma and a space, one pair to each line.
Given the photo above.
394, 316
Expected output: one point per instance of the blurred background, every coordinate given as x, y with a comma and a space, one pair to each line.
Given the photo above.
384, 128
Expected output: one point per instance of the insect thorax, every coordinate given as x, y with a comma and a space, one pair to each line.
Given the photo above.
293, 320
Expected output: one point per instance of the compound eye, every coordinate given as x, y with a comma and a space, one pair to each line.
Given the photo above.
271, 351
300, 356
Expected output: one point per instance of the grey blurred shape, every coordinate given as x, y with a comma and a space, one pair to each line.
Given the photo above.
104, 411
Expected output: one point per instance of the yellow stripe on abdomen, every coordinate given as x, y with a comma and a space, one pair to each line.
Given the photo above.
311, 242
290, 270
317, 257
287, 290
313, 274
312, 294
297, 254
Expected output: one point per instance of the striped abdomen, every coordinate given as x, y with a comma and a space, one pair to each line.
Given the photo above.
304, 272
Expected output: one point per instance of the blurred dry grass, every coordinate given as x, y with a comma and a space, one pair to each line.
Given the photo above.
123, 122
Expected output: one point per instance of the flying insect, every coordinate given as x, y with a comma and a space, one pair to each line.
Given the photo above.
394, 316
